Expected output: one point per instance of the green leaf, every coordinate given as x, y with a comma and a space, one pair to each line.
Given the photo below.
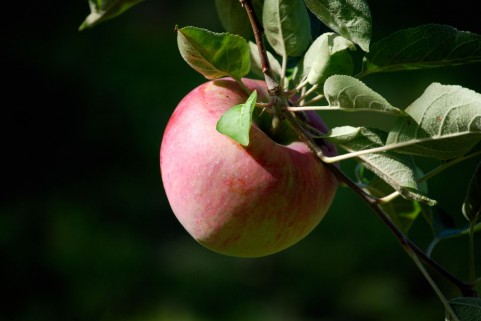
403, 212
287, 26
397, 170
349, 18
426, 46
256, 66
212, 54
236, 122
101, 10
444, 123
444, 227
327, 56
472, 202
351, 94
233, 17
466, 309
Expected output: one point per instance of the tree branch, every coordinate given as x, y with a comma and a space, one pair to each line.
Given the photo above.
275, 90
272, 84
408, 245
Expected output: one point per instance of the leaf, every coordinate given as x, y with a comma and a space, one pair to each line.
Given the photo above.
214, 55
426, 46
444, 123
444, 227
236, 122
352, 94
256, 66
349, 18
101, 10
472, 202
233, 17
397, 170
343, 134
327, 56
403, 212
287, 26
466, 309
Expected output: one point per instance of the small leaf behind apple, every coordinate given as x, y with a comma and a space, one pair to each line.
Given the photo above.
236, 122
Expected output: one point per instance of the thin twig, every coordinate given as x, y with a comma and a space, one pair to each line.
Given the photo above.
435, 287
466, 289
307, 93
272, 85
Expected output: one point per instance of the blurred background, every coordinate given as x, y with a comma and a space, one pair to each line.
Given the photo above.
86, 232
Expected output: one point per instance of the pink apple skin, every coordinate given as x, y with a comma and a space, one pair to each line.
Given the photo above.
239, 201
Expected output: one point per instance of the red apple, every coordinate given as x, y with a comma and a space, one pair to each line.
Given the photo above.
240, 201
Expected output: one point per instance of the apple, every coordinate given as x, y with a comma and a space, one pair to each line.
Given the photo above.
241, 201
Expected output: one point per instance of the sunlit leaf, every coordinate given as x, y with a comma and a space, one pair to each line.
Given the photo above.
287, 26
326, 56
236, 122
403, 212
351, 94
212, 54
444, 123
466, 309
101, 10
395, 169
426, 46
349, 18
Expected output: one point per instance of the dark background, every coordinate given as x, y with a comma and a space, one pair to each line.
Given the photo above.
86, 232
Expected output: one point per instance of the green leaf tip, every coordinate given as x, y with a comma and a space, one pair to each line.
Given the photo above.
237, 121
287, 27
349, 18
102, 10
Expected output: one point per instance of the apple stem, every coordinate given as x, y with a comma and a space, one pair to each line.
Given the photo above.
273, 85
243, 86
280, 106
